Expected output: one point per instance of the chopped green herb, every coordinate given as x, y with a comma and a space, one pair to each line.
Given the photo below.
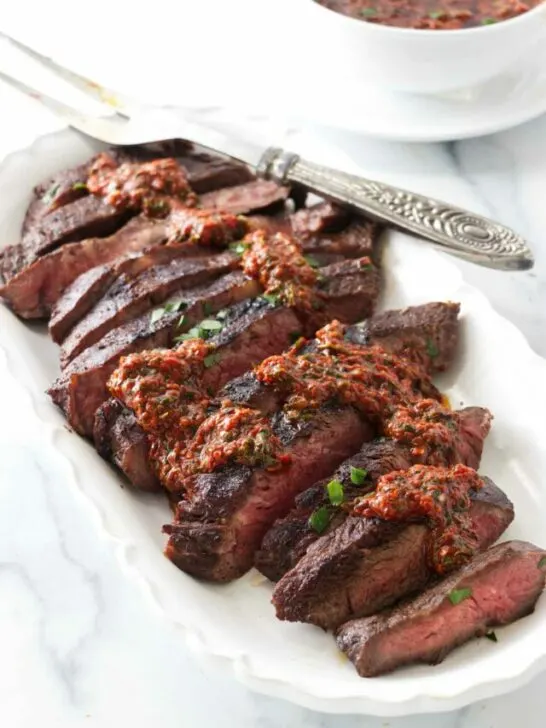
221, 315
175, 306
368, 12
79, 186
459, 595
312, 261
542, 563
435, 14
207, 308
335, 492
157, 313
358, 475
489, 21
319, 519
272, 298
432, 349
211, 360
239, 247
294, 336
181, 321
191, 334
50, 194
211, 325
491, 636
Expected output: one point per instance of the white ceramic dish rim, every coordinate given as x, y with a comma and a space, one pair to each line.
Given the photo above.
455, 32
141, 565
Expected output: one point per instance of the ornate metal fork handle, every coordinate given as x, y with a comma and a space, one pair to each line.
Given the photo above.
453, 230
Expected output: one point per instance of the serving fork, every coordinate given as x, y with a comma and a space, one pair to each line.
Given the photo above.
450, 229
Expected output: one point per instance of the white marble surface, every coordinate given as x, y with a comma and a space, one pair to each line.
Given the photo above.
80, 645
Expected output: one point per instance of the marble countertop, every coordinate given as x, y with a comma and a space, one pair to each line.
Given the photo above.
80, 644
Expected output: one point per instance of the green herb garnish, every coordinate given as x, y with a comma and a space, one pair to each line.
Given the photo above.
319, 519
312, 261
489, 21
368, 12
238, 248
211, 360
272, 298
211, 325
181, 321
435, 14
191, 334
358, 475
171, 307
432, 349
50, 194
542, 563
335, 492
294, 336
459, 595
79, 186
222, 315
157, 314
491, 636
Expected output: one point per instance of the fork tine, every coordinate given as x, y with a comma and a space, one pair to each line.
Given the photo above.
119, 102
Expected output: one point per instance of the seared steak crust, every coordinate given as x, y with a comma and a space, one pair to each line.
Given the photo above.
216, 534
367, 564
503, 585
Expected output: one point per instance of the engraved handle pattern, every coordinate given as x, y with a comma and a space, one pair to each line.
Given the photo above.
451, 229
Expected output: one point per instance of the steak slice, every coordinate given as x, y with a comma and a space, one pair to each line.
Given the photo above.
84, 218
323, 217
256, 196
154, 277
252, 329
288, 540
496, 588
33, 292
119, 438
360, 238
207, 172
216, 534
350, 290
427, 335
81, 388
367, 564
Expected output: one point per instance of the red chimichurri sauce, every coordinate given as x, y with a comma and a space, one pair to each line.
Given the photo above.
437, 495
431, 14
153, 187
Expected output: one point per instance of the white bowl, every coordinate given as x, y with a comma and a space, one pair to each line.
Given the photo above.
418, 61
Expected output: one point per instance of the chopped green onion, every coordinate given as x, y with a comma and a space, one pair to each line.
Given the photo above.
211, 360
368, 12
335, 492
295, 336
542, 563
221, 315
175, 306
79, 186
50, 194
491, 636
432, 349
489, 21
459, 595
181, 321
191, 334
358, 475
436, 14
157, 314
319, 519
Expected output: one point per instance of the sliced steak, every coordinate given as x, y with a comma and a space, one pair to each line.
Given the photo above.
494, 589
360, 238
118, 438
367, 564
208, 172
288, 540
33, 292
427, 335
290, 537
350, 290
165, 269
215, 536
84, 218
252, 330
256, 196
323, 217
81, 388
